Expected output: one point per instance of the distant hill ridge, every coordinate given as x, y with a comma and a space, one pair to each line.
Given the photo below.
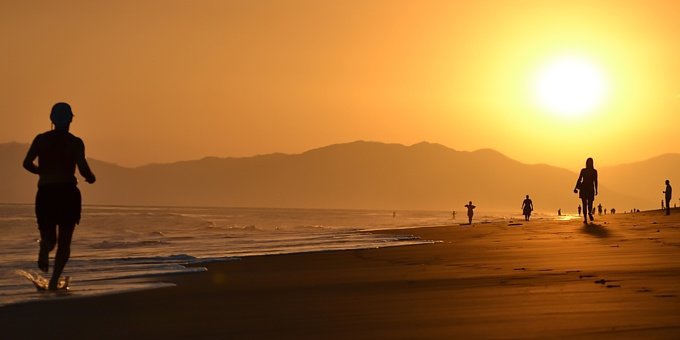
361, 174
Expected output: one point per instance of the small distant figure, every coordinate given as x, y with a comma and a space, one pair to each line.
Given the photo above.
579, 210
605, 211
527, 208
586, 187
669, 194
394, 214
613, 211
662, 206
58, 201
559, 212
470, 211
453, 215
599, 209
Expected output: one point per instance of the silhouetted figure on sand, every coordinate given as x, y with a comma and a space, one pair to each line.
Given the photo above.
599, 209
58, 200
453, 215
527, 208
662, 206
669, 195
559, 212
586, 187
613, 211
579, 210
470, 211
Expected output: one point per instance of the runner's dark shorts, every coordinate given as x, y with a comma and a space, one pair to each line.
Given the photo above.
57, 204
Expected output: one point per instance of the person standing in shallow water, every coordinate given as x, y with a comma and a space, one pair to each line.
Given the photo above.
669, 194
58, 201
586, 187
527, 208
470, 211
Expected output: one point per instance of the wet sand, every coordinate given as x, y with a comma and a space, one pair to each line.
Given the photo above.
617, 278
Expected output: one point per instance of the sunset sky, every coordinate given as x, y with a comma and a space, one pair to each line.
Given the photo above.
160, 81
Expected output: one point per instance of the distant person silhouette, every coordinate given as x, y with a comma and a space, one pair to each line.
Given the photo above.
527, 208
669, 194
599, 209
586, 187
662, 206
613, 211
58, 201
470, 211
453, 215
579, 210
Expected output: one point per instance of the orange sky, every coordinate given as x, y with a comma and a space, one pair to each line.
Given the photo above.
159, 81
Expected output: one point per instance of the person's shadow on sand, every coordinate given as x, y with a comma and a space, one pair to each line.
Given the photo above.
595, 230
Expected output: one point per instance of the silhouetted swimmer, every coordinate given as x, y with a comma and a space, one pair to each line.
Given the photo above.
669, 194
470, 211
579, 210
58, 201
527, 208
586, 187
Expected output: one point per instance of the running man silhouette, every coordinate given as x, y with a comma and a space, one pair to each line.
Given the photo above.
58, 201
527, 208
470, 212
586, 187
669, 194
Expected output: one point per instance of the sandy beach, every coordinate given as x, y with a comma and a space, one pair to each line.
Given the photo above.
617, 278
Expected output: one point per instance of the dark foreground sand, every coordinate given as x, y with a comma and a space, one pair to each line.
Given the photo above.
617, 279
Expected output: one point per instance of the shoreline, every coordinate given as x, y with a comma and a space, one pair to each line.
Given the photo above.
615, 278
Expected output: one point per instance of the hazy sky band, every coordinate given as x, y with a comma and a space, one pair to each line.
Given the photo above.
156, 81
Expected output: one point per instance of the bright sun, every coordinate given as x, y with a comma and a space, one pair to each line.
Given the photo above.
569, 87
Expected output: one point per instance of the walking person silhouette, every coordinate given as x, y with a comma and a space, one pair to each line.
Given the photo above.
470, 211
586, 187
527, 208
58, 201
669, 194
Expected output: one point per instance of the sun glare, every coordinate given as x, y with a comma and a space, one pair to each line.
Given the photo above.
569, 87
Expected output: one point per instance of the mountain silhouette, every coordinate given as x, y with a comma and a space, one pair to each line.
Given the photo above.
359, 175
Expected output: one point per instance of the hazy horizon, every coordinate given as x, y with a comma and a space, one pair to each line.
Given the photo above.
573, 168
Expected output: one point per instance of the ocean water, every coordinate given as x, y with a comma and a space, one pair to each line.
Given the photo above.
125, 248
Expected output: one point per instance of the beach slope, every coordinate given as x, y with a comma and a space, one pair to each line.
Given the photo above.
539, 279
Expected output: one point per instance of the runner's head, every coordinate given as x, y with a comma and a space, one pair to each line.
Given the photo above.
61, 115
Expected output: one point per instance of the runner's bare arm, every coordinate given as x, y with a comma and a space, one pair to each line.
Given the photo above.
31, 155
83, 167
